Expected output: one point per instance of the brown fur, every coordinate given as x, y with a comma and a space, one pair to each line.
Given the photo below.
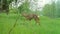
31, 16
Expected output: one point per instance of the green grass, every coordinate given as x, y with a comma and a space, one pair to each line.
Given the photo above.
48, 25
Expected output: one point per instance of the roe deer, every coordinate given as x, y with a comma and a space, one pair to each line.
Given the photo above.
32, 16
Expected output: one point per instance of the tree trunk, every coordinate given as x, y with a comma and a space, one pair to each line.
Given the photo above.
5, 6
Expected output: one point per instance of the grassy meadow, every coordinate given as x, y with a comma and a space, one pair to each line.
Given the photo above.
47, 25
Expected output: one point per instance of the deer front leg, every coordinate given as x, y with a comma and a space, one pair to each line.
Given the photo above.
37, 21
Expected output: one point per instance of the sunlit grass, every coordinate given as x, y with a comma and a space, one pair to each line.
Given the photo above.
48, 25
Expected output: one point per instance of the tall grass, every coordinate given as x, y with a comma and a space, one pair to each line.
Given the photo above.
48, 25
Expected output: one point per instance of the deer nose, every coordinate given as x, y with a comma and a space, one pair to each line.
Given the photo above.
38, 16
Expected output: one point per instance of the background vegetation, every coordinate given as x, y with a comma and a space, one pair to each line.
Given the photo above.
49, 18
